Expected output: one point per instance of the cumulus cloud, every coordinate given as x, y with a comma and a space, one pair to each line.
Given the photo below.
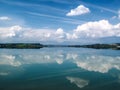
78, 81
9, 31
17, 28
36, 35
44, 34
89, 30
81, 9
3, 18
97, 29
60, 33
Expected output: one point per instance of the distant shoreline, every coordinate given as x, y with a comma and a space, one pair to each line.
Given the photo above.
115, 46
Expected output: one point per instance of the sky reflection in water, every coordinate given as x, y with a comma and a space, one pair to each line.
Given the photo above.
59, 68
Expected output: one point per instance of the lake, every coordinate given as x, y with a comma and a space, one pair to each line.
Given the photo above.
59, 69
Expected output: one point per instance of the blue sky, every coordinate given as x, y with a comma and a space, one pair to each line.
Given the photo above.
60, 21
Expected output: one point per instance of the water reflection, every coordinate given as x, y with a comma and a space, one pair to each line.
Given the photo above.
98, 63
91, 62
9, 60
3, 73
72, 68
78, 81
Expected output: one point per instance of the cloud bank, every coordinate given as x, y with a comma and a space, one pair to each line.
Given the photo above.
8, 32
97, 29
89, 30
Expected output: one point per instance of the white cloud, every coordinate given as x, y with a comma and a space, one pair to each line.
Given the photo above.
7, 32
3, 18
91, 30
60, 34
16, 27
97, 29
44, 34
59, 31
37, 35
78, 81
81, 9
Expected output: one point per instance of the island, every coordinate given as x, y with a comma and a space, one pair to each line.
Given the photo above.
115, 46
21, 45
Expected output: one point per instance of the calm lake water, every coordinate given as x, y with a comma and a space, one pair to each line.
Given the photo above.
59, 69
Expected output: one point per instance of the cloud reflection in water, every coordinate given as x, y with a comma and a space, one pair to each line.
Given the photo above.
90, 62
78, 81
